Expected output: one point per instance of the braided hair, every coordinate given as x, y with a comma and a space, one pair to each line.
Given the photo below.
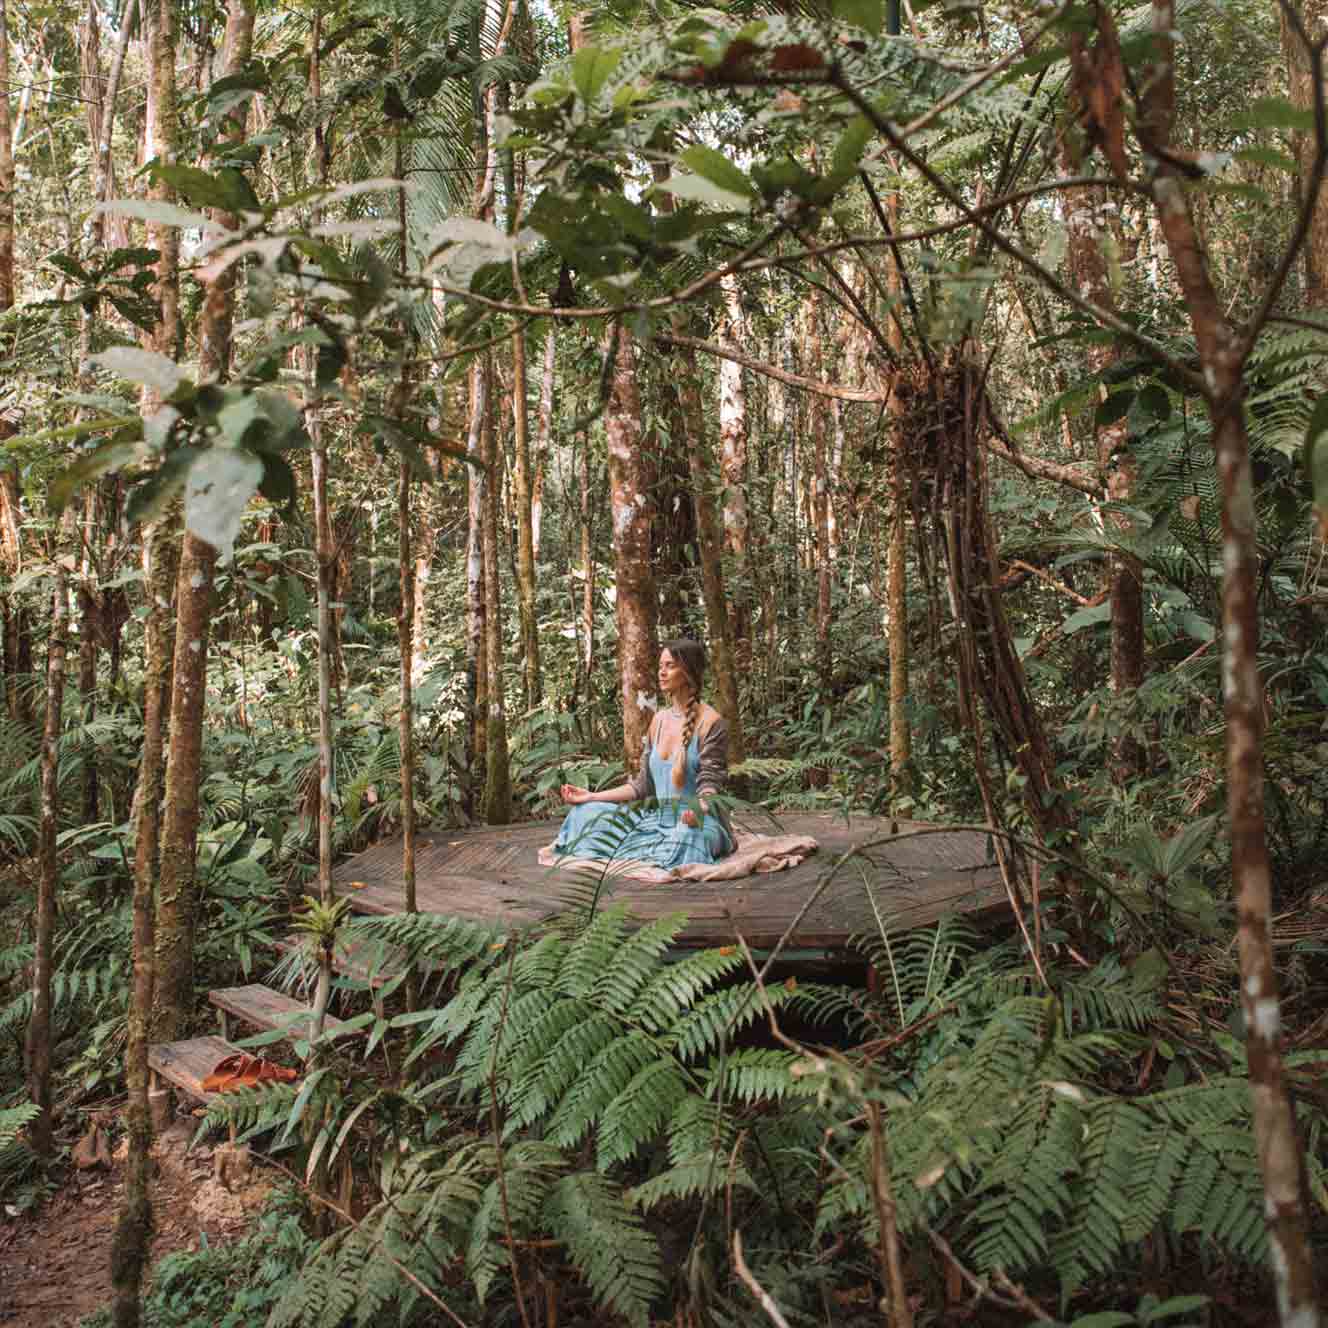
691, 656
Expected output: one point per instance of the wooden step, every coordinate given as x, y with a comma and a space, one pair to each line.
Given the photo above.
186, 1064
262, 1008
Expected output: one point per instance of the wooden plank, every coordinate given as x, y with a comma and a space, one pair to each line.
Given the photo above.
492, 875
263, 1008
186, 1064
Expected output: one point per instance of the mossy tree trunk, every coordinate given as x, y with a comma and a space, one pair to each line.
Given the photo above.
177, 901
733, 469
635, 606
38, 1045
498, 784
477, 682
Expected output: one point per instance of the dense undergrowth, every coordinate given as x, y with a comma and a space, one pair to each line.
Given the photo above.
578, 1116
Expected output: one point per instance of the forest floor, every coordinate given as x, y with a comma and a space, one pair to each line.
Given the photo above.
55, 1263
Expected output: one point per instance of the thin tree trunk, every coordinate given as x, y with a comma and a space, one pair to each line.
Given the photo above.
1300, 86
17, 627
129, 1252
896, 578
476, 500
1222, 357
820, 501
629, 495
544, 439
710, 536
406, 572
586, 662
733, 468
48, 876
523, 493
177, 901
498, 784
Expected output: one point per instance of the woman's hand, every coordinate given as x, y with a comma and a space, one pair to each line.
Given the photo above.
690, 818
572, 794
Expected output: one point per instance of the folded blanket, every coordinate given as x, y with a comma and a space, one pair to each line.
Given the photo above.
754, 854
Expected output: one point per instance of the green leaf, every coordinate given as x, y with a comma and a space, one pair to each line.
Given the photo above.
1183, 850
1273, 113
149, 499
227, 190
848, 151
220, 484
1168, 1309
1089, 617
869, 14
698, 189
162, 214
591, 67
1104, 1319
1268, 157
71, 267
718, 169
1153, 402
1192, 624
109, 456
141, 366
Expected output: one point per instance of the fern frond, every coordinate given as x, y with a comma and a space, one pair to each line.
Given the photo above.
608, 1243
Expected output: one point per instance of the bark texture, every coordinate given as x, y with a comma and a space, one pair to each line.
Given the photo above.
1300, 86
636, 605
498, 784
177, 899
38, 1045
133, 1230
733, 470
477, 688
523, 495
1222, 354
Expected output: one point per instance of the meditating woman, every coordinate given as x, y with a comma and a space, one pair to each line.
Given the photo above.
684, 764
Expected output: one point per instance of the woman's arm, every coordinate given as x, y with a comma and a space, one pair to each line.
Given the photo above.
713, 753
571, 793
632, 791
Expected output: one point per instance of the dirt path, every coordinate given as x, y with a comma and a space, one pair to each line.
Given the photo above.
55, 1264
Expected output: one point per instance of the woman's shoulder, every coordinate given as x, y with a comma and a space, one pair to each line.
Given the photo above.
707, 719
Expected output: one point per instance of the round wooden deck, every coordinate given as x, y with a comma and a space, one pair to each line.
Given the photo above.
492, 875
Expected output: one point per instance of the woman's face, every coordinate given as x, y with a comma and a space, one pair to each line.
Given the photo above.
672, 675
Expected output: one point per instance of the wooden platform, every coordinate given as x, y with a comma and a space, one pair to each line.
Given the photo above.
268, 1010
186, 1064
492, 875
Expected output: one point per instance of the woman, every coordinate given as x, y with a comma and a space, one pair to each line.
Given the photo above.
685, 762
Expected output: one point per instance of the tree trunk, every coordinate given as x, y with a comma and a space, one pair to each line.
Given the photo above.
498, 784
129, 1251
406, 649
544, 439
177, 899
896, 579
214, 336
587, 657
17, 627
820, 500
523, 493
1221, 354
1088, 267
636, 605
701, 464
733, 469
1300, 86
48, 876
477, 688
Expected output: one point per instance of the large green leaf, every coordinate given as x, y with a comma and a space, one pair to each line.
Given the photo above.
591, 67
718, 169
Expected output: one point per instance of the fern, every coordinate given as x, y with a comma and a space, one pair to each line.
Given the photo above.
608, 1243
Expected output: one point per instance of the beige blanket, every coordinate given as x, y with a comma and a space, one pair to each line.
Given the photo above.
754, 854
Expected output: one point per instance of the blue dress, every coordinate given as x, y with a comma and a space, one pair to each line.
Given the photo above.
650, 831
